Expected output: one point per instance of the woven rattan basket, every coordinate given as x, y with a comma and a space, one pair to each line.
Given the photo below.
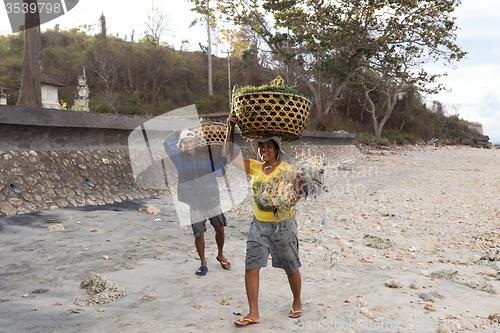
209, 134
271, 113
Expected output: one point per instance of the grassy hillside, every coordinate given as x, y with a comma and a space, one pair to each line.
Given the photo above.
148, 80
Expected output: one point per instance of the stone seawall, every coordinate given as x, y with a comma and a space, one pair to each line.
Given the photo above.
56, 158
36, 180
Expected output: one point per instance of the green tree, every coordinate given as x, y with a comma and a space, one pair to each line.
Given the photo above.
399, 62
339, 38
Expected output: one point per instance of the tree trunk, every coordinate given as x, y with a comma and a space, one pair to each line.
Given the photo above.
390, 102
210, 86
378, 131
372, 111
30, 94
335, 91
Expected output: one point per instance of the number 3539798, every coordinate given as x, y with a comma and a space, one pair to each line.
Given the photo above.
48, 10
54, 7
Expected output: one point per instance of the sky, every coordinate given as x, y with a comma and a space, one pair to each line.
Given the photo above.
474, 83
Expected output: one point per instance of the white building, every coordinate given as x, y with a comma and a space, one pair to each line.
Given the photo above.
50, 93
4, 96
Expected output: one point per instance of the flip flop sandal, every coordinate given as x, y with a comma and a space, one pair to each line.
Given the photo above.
223, 264
250, 322
292, 314
202, 271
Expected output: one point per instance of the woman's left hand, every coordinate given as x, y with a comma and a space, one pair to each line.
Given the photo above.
231, 119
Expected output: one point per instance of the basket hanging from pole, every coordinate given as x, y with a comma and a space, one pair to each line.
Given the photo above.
212, 133
271, 113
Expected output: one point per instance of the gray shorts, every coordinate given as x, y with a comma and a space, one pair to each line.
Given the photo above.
200, 227
280, 239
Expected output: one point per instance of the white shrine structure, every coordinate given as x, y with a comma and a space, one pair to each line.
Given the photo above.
50, 92
4, 96
82, 95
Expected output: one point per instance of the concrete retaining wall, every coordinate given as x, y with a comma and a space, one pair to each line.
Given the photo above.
53, 179
48, 129
53, 157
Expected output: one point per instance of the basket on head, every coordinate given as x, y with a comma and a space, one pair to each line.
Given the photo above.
209, 134
271, 113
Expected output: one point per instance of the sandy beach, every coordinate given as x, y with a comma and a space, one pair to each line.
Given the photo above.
405, 240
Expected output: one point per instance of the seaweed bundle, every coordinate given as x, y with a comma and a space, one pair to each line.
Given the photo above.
283, 191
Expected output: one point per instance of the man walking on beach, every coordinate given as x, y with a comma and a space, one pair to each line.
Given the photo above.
198, 187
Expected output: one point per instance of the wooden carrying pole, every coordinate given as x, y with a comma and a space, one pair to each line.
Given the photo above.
231, 142
230, 159
231, 130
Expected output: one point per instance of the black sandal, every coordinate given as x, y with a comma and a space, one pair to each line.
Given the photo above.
202, 271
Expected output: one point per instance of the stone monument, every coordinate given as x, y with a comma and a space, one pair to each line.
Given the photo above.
82, 95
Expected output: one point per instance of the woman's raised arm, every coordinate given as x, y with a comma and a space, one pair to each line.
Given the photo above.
238, 161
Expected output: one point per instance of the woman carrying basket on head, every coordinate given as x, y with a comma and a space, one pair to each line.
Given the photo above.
268, 234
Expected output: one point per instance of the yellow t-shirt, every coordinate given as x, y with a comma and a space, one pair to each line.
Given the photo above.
261, 212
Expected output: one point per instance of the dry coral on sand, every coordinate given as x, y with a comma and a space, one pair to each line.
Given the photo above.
473, 281
100, 291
